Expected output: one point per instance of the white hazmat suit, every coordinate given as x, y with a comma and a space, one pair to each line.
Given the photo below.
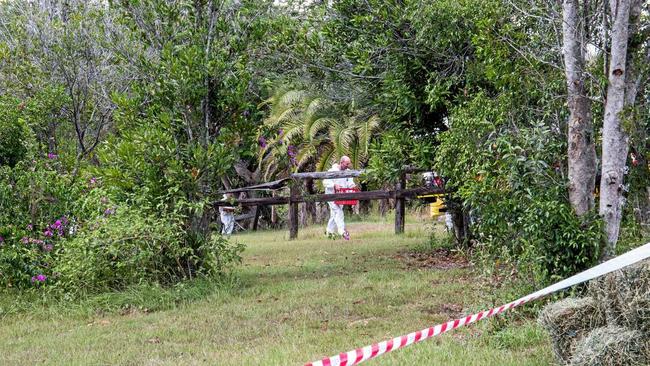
336, 223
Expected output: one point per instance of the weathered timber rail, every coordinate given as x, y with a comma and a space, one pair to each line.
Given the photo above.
399, 194
368, 195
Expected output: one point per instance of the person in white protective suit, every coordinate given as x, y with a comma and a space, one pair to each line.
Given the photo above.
336, 223
227, 214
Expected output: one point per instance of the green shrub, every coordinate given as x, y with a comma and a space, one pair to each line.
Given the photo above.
396, 149
14, 133
35, 206
126, 247
512, 180
557, 243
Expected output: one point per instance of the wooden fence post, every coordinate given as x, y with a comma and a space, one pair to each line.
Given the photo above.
256, 219
293, 209
399, 204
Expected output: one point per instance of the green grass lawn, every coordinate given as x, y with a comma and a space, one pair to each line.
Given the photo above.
293, 302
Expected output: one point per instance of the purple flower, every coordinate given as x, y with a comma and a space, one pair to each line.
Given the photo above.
262, 142
48, 233
280, 132
30, 227
93, 180
56, 225
246, 113
48, 247
39, 278
291, 151
109, 211
24, 240
51, 156
64, 220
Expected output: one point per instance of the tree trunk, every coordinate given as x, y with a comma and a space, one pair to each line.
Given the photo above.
460, 225
322, 212
293, 211
256, 218
303, 214
311, 206
615, 139
364, 206
384, 204
400, 208
205, 103
581, 147
460, 219
274, 214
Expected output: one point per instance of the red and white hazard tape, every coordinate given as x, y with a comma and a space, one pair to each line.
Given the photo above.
359, 355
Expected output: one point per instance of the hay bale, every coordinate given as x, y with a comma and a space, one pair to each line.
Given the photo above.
611, 346
625, 296
567, 321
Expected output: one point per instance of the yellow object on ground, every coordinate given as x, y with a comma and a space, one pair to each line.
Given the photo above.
437, 206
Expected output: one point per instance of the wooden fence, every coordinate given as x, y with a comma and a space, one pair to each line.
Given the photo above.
399, 194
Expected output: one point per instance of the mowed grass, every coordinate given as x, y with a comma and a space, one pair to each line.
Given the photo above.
294, 302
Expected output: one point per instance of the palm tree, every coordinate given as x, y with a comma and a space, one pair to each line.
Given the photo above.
308, 130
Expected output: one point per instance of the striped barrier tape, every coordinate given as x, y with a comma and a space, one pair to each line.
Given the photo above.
359, 355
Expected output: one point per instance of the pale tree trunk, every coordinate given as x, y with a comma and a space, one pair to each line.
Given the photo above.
303, 214
615, 138
581, 149
311, 206
274, 213
205, 103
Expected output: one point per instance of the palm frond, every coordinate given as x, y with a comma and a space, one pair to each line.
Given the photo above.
367, 129
326, 158
343, 136
283, 116
292, 98
270, 170
354, 152
313, 105
306, 154
293, 131
317, 126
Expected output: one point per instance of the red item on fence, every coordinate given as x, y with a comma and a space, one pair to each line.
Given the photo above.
347, 190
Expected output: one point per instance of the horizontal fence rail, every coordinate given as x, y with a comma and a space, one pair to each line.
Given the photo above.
368, 195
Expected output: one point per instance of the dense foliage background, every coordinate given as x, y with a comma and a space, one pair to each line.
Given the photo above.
120, 120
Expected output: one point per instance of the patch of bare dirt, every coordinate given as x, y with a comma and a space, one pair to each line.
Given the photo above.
437, 259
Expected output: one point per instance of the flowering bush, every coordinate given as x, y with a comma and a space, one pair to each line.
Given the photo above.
141, 214
34, 201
